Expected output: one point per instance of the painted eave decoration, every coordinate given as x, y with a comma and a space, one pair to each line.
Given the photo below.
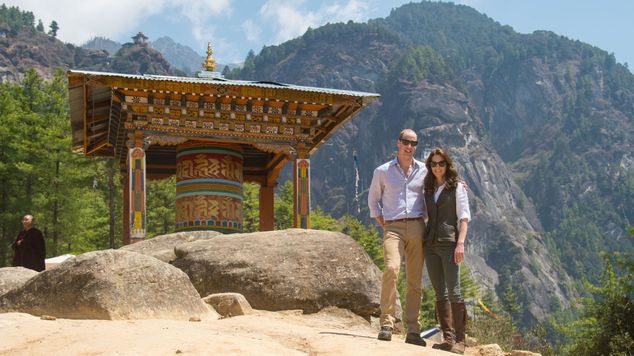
268, 116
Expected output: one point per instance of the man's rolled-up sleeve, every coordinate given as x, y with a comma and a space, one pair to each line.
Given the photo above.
374, 194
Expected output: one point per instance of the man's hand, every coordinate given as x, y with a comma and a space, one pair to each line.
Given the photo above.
380, 221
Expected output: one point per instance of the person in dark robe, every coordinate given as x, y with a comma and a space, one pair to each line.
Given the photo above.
29, 248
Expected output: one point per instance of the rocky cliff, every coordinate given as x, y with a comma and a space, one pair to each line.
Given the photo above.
27, 48
181, 57
541, 128
30, 49
530, 119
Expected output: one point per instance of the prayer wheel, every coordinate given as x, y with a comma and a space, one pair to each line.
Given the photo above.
209, 187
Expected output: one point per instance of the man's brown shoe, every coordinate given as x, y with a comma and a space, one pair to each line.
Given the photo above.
414, 338
385, 334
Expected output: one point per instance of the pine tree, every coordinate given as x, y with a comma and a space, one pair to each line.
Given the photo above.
251, 207
367, 237
40, 175
11, 114
606, 326
225, 71
54, 27
284, 211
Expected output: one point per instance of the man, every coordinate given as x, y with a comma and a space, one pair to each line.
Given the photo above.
396, 201
29, 248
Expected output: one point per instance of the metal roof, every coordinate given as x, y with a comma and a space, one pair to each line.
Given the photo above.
230, 82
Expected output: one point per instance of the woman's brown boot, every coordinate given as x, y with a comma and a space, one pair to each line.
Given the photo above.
459, 313
443, 313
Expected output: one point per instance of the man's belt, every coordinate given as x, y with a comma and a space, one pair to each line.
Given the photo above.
404, 219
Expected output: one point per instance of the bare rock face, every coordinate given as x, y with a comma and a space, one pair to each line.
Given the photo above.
229, 304
162, 247
108, 285
523, 353
14, 277
288, 269
488, 350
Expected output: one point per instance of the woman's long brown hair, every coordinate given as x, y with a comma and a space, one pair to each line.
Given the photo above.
451, 174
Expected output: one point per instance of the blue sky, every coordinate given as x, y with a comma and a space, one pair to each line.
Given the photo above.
236, 26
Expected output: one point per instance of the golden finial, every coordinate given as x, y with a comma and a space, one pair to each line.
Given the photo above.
210, 62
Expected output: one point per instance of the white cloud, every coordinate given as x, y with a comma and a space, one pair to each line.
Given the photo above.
230, 53
291, 18
251, 30
288, 19
80, 20
199, 13
352, 10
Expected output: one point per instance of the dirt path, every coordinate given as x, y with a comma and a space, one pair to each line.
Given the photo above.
334, 332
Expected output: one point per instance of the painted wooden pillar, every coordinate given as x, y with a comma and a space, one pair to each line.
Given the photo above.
302, 190
267, 209
209, 187
125, 182
137, 183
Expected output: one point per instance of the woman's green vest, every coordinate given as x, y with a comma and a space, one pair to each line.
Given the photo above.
442, 226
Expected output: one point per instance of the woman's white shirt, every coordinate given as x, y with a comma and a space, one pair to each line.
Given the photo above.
462, 201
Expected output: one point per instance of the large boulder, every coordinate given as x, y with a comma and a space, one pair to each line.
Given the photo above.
162, 247
13, 277
108, 284
289, 269
229, 304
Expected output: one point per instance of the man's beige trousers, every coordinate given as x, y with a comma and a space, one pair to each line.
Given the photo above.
402, 238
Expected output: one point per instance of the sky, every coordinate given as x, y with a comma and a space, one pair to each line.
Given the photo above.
236, 26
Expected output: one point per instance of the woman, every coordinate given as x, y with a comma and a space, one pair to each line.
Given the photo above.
445, 234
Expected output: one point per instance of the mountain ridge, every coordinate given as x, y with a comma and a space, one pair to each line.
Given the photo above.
181, 57
539, 125
511, 109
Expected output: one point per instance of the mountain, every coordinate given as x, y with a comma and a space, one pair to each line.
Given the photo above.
541, 128
27, 48
140, 58
108, 45
181, 57
23, 47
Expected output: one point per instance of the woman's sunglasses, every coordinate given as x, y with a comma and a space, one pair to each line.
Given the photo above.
440, 164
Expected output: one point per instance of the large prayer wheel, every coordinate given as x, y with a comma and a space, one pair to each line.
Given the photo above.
209, 187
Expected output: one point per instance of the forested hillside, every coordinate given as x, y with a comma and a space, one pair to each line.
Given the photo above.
26, 46
541, 126
542, 129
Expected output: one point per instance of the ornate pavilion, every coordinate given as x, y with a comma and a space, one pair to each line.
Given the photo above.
212, 133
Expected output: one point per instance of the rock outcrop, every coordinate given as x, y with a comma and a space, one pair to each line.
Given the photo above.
528, 127
288, 269
108, 285
162, 247
229, 304
14, 277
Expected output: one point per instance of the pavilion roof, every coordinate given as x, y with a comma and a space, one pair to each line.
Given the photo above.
228, 82
268, 119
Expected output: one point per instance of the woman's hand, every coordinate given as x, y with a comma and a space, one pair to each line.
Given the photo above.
458, 255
